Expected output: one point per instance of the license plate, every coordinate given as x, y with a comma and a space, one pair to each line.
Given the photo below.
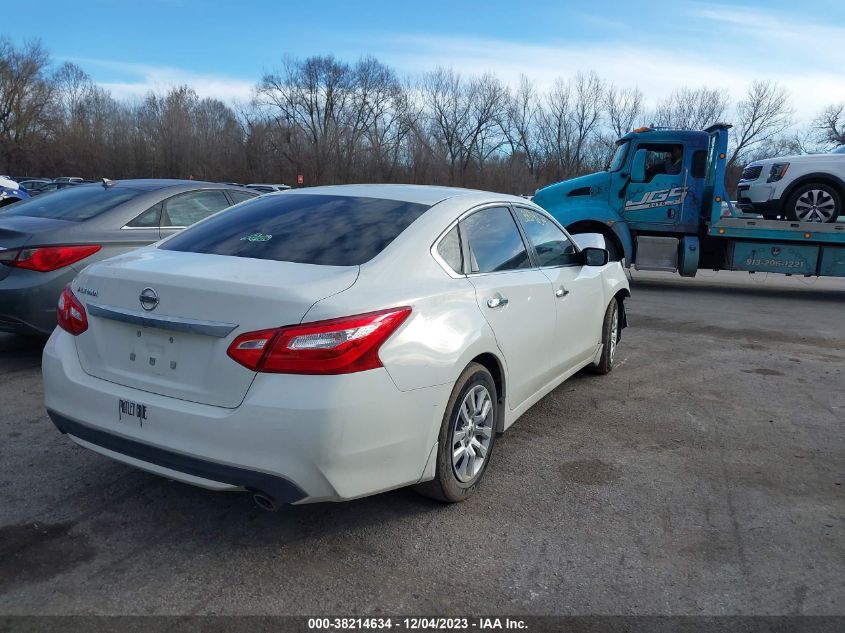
154, 353
129, 411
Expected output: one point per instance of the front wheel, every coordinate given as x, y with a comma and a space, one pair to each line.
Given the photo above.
466, 437
814, 202
609, 339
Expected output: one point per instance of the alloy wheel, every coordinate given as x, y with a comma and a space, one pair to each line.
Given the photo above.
815, 205
472, 433
614, 332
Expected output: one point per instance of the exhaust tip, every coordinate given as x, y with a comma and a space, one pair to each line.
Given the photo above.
265, 502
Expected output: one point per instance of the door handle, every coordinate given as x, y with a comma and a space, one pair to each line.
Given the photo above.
497, 302
561, 292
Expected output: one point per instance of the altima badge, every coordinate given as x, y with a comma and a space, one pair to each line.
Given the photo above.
148, 299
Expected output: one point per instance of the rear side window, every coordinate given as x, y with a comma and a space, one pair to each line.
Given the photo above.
494, 241
449, 248
551, 245
75, 204
241, 196
148, 219
303, 228
189, 208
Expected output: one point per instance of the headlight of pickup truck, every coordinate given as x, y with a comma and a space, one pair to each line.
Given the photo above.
777, 171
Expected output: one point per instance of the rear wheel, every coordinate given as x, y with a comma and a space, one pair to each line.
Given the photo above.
466, 437
814, 202
610, 337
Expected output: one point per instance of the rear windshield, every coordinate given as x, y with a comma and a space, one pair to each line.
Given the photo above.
304, 228
74, 203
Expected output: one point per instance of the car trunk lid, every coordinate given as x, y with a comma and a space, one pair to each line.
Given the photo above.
174, 343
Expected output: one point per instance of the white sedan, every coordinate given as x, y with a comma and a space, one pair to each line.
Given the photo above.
332, 342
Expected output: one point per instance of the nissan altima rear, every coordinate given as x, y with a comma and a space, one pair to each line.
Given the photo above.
330, 343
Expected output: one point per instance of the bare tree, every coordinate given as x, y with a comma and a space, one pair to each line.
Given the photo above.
691, 108
761, 116
623, 107
830, 125
308, 100
25, 98
568, 121
520, 124
339, 122
464, 118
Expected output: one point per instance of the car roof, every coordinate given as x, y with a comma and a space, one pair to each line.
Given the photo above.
419, 194
152, 184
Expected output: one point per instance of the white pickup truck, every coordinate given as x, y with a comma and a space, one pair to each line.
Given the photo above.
807, 188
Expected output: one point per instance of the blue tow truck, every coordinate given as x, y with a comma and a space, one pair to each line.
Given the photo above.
662, 205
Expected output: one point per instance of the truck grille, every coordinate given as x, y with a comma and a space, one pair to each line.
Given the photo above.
752, 172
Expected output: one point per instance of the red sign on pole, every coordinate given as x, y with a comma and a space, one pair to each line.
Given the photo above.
300, 180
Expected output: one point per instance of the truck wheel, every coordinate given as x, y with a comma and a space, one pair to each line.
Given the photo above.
609, 338
613, 253
814, 202
466, 437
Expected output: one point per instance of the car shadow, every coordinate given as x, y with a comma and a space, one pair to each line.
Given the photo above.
19, 352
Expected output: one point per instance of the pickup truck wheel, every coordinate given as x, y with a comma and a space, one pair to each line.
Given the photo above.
814, 202
609, 339
466, 437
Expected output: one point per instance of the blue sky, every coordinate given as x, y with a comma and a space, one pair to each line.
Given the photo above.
223, 48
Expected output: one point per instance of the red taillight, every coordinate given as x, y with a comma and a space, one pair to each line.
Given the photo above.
336, 346
43, 259
70, 313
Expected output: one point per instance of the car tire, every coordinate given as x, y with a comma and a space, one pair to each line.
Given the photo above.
814, 202
609, 339
456, 479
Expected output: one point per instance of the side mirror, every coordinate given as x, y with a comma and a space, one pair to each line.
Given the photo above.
638, 166
589, 240
595, 256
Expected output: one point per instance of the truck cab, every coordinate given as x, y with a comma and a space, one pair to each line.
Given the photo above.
662, 205
655, 183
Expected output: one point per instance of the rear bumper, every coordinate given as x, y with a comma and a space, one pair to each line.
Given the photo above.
279, 488
301, 438
28, 300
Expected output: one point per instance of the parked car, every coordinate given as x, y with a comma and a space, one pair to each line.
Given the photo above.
333, 342
807, 188
11, 192
46, 241
51, 186
34, 185
76, 179
268, 188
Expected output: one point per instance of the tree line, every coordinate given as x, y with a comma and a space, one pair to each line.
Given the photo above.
339, 122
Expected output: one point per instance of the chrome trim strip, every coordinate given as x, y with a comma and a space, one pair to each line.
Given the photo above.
175, 324
154, 228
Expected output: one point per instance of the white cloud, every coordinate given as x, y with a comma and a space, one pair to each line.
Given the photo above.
139, 79
718, 46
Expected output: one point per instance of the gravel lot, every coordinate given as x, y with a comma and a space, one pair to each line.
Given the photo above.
705, 475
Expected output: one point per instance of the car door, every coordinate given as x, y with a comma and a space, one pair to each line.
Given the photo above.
577, 289
515, 297
660, 199
185, 209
